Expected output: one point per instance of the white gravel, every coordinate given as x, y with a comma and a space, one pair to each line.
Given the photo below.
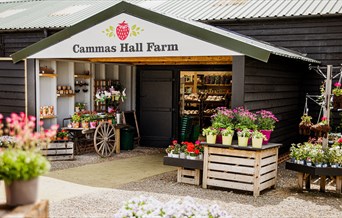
284, 201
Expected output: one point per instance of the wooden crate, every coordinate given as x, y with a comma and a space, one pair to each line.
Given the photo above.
189, 176
241, 169
37, 210
62, 150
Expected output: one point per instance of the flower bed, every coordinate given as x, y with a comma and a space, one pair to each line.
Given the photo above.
150, 207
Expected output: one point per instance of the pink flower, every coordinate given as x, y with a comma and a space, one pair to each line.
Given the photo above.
324, 118
337, 84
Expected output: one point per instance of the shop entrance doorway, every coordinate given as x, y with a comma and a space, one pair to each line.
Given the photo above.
156, 107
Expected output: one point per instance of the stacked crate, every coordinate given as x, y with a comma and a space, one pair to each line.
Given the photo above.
59, 150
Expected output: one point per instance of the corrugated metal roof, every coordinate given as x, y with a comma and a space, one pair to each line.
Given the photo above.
220, 37
33, 14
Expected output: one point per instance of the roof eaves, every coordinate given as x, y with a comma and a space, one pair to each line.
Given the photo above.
179, 25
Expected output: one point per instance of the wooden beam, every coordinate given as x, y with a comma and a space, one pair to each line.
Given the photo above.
198, 60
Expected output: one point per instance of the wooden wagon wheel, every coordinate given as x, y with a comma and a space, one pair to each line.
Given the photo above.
104, 139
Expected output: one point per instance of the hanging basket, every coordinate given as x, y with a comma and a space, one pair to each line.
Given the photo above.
304, 128
337, 102
320, 130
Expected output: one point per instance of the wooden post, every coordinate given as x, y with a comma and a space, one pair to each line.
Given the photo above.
322, 184
256, 180
326, 109
300, 177
338, 184
205, 166
307, 181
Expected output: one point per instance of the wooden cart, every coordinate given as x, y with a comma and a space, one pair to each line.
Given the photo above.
106, 138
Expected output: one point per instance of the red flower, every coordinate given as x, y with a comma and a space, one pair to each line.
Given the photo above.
339, 140
324, 118
174, 142
337, 84
197, 152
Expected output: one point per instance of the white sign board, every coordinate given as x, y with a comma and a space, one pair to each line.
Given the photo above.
128, 36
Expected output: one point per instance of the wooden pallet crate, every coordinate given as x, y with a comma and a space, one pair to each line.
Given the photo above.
189, 176
62, 150
237, 168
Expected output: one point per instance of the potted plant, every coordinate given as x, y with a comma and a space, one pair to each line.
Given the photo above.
169, 150
243, 137
305, 125
85, 119
337, 99
223, 118
227, 136
182, 149
93, 120
244, 119
191, 151
322, 128
266, 124
257, 139
76, 119
21, 163
63, 135
210, 134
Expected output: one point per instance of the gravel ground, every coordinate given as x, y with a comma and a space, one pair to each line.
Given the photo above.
284, 201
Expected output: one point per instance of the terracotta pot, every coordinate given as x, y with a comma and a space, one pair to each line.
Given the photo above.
21, 192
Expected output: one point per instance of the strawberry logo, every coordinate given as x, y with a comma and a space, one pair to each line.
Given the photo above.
122, 31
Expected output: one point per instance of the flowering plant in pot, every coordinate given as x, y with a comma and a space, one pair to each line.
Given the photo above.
305, 125
173, 150
200, 148
76, 119
257, 139
210, 134
322, 128
337, 99
243, 137
93, 119
244, 119
227, 135
21, 162
266, 121
192, 151
222, 119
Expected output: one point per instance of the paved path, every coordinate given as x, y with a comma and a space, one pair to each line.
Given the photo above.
72, 182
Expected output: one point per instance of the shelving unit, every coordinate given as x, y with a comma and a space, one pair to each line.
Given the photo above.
202, 92
65, 73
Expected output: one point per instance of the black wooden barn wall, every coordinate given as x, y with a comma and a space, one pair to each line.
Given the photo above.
12, 87
320, 37
12, 76
276, 86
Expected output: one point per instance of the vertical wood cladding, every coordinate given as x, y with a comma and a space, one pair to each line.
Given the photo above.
320, 38
276, 86
12, 87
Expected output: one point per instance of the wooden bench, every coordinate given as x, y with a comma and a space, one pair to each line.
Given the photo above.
188, 171
305, 174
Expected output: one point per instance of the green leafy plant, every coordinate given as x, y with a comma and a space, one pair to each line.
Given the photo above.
244, 133
76, 118
337, 91
258, 135
227, 131
209, 131
17, 164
